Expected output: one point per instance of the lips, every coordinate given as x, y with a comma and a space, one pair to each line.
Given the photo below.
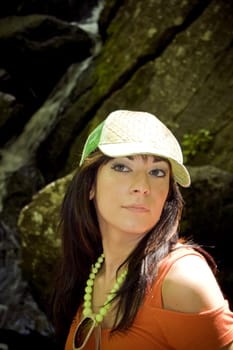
136, 208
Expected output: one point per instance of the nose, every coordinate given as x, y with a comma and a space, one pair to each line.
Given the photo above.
140, 184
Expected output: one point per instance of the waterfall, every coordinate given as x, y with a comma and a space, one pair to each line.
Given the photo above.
23, 149
90, 25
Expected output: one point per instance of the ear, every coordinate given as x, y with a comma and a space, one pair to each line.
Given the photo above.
92, 193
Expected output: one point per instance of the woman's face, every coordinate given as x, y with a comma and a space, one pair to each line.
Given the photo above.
129, 193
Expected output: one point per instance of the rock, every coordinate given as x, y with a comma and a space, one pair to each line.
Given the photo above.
18, 310
45, 47
12, 340
21, 186
66, 10
11, 117
41, 243
208, 210
208, 219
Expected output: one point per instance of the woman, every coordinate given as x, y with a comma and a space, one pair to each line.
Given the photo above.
127, 281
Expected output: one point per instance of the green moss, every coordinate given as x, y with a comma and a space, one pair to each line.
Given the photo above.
193, 144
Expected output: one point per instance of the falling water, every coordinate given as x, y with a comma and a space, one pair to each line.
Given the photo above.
22, 150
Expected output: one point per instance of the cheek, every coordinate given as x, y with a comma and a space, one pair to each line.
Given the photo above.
104, 205
160, 197
108, 197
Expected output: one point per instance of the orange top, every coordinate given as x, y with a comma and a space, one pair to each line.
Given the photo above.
155, 328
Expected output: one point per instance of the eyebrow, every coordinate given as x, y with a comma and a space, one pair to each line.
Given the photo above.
145, 156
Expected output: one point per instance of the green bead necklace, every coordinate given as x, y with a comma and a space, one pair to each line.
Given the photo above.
87, 310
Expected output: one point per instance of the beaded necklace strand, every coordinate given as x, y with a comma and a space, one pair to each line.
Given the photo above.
87, 310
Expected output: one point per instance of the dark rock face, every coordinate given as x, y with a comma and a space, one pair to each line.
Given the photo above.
12, 340
207, 219
37, 50
58, 81
71, 10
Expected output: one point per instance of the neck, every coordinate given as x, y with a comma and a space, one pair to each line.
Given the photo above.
116, 251
111, 266
117, 246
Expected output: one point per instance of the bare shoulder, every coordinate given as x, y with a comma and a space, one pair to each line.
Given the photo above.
190, 286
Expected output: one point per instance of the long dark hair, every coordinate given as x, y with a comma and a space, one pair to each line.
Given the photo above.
81, 246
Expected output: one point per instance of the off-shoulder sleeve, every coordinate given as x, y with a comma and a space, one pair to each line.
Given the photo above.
209, 330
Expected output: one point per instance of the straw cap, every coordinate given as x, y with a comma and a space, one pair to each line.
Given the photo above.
124, 133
